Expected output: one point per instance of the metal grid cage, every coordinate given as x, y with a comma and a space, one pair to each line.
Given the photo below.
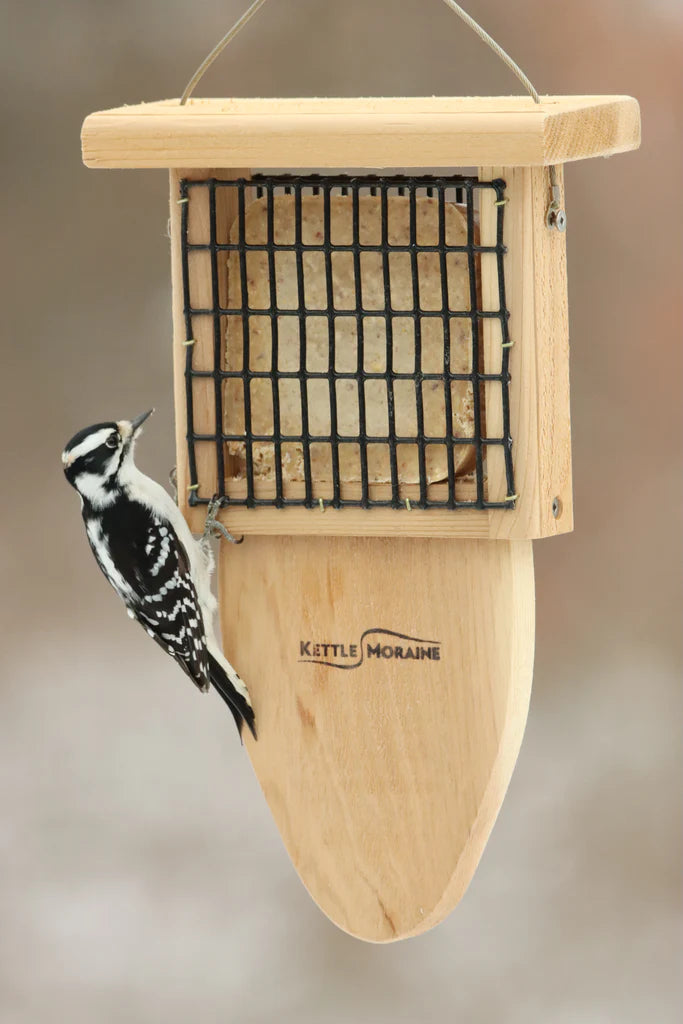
245, 369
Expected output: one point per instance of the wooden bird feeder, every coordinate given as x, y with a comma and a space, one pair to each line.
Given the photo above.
371, 373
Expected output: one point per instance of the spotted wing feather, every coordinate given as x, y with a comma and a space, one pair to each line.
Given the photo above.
158, 588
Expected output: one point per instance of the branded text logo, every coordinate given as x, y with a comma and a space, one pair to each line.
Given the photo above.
374, 644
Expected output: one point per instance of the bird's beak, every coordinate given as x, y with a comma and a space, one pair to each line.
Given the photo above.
138, 421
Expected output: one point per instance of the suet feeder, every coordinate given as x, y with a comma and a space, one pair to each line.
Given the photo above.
371, 372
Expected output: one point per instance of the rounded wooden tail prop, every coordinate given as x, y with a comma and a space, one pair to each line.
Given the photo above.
391, 682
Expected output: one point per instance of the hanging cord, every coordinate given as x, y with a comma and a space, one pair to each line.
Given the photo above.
258, 4
555, 215
498, 50
218, 49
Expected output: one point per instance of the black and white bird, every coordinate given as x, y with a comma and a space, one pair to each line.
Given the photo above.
146, 550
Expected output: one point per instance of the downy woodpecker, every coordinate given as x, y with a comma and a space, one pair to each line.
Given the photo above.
145, 548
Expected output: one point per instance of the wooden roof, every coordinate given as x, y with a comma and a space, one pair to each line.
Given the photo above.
400, 132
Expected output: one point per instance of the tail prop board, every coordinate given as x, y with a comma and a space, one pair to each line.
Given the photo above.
391, 682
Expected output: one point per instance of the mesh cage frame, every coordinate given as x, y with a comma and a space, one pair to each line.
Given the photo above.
458, 188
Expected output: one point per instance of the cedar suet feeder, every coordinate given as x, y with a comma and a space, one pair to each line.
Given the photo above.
371, 374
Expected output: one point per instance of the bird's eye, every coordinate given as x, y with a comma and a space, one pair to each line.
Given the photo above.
112, 441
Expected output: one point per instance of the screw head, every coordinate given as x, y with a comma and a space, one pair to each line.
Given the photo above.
556, 218
557, 508
561, 220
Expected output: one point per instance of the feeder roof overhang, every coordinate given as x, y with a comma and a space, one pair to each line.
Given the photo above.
403, 132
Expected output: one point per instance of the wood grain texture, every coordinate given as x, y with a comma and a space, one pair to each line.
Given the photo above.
373, 133
352, 522
536, 287
384, 780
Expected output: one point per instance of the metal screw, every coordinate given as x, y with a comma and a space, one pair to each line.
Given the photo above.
556, 217
557, 508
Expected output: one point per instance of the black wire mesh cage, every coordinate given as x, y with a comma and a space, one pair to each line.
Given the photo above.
343, 362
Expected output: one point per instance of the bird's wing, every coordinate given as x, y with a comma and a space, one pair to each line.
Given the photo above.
161, 594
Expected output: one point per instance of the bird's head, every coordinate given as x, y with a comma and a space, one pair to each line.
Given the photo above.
95, 458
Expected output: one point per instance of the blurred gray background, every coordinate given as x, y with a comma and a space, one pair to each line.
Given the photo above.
141, 876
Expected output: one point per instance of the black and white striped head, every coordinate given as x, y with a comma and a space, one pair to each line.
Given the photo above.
95, 457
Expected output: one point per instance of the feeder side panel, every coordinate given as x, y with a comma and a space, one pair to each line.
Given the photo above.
536, 283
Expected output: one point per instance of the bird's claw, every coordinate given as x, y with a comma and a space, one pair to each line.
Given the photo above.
213, 527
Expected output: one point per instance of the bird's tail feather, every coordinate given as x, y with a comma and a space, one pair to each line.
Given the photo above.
241, 709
